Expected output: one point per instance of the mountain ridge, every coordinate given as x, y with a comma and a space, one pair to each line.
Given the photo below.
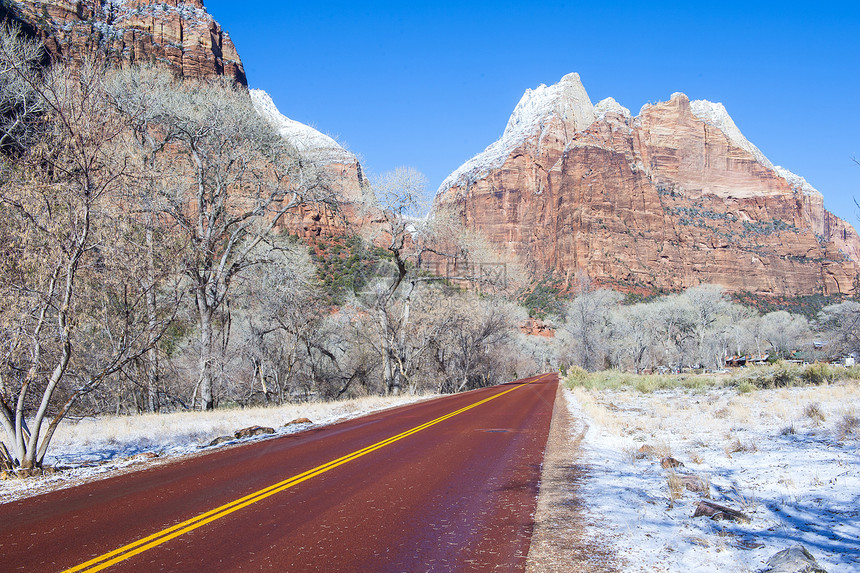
700, 202
178, 34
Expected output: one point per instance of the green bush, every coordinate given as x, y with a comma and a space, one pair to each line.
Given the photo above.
576, 376
778, 375
818, 374
645, 383
745, 387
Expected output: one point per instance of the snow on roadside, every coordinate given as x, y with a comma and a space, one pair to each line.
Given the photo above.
787, 458
94, 448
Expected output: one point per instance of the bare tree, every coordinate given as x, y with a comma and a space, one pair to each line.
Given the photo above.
69, 320
474, 328
20, 73
636, 340
709, 313
587, 321
231, 179
783, 332
395, 209
279, 314
840, 323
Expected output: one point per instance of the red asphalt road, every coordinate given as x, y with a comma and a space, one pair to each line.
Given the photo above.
457, 496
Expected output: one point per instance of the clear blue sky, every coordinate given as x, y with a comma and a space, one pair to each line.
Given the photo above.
430, 85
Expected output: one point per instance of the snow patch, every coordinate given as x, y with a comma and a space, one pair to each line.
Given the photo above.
566, 100
305, 138
609, 105
715, 115
795, 476
797, 182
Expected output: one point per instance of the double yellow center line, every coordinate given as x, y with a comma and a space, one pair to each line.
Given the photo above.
147, 543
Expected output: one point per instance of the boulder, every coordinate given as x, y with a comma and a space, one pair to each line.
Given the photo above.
718, 512
252, 431
24, 473
143, 456
696, 484
670, 462
645, 451
793, 560
219, 440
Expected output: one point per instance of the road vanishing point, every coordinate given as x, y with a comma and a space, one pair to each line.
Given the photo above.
448, 484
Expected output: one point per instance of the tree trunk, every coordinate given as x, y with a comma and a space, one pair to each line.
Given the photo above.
152, 354
205, 364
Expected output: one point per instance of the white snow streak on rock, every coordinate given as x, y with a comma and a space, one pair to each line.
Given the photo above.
715, 114
305, 138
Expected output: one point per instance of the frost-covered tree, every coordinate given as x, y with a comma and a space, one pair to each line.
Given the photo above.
229, 180
588, 323
71, 317
840, 323
783, 332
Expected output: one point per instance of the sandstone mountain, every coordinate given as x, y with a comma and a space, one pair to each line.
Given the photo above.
175, 33
668, 199
343, 170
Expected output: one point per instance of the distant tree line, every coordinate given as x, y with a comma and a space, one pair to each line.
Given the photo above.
697, 328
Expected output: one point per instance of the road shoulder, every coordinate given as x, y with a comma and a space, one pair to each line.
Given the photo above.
560, 542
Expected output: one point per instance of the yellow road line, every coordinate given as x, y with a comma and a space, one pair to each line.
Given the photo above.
146, 543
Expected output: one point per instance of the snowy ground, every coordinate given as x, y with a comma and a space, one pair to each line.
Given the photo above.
99, 447
787, 458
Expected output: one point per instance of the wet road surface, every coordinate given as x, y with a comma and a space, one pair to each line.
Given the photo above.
443, 485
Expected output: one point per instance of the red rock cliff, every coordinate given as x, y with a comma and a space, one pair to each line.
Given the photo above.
666, 200
178, 34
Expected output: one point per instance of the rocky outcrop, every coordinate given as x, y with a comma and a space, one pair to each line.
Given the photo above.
341, 169
183, 37
671, 198
178, 34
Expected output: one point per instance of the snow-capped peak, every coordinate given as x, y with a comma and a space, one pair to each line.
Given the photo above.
305, 138
715, 114
566, 100
609, 105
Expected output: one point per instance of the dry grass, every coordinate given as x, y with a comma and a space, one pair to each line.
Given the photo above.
662, 450
814, 412
789, 430
125, 434
597, 411
848, 426
737, 446
676, 486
